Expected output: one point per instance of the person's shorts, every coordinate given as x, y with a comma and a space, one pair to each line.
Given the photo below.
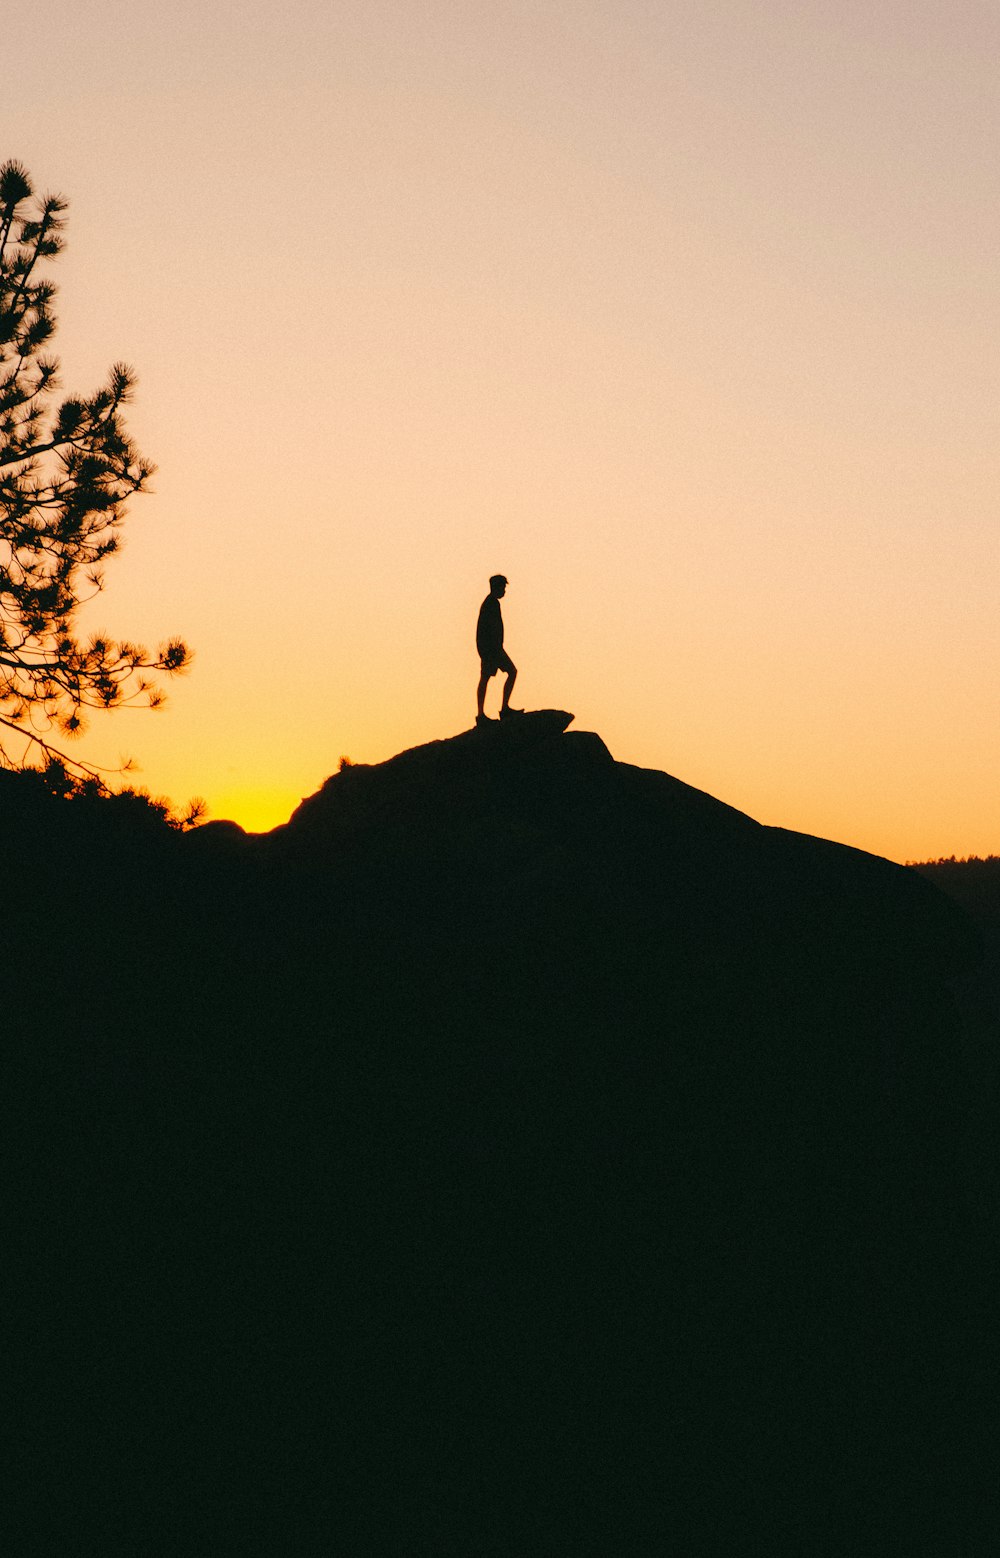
498, 661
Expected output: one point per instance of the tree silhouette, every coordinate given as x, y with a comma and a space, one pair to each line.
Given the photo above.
66, 471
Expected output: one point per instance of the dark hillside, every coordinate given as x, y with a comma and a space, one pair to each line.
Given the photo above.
974, 883
516, 1153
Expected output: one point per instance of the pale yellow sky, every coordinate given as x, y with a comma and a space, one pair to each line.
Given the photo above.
681, 316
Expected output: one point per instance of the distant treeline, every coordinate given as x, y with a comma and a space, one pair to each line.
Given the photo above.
956, 860
974, 882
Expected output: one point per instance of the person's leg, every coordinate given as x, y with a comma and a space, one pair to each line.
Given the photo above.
508, 685
481, 692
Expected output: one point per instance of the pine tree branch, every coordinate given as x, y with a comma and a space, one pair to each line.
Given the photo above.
32, 738
34, 450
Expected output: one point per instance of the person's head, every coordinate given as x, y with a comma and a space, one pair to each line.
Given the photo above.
498, 585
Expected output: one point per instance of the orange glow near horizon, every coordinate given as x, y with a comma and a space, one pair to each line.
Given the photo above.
679, 317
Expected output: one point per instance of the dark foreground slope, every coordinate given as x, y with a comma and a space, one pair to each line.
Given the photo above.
517, 1153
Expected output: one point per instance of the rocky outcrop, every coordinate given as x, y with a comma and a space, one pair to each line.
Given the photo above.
543, 818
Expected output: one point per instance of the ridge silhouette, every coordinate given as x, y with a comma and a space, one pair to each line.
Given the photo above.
517, 1151
533, 797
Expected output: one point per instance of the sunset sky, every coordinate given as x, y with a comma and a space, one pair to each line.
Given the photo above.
682, 315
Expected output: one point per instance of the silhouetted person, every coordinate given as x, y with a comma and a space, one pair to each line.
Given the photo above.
489, 642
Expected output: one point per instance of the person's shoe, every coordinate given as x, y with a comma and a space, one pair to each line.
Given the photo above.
510, 713
483, 719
